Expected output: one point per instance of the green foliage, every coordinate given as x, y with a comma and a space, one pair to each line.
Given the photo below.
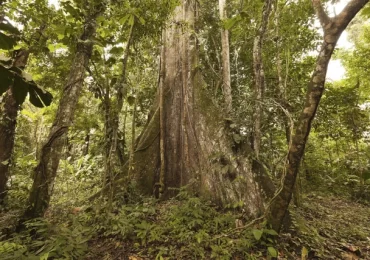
42, 240
8, 35
185, 227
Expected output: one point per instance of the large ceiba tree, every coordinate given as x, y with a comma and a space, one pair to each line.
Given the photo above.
188, 140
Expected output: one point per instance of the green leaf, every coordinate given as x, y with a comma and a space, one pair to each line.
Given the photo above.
38, 97
8, 27
116, 50
20, 89
124, 19
225, 169
51, 47
237, 138
270, 232
257, 233
229, 23
130, 100
6, 79
111, 61
141, 20
71, 10
366, 176
6, 162
113, 81
6, 42
272, 251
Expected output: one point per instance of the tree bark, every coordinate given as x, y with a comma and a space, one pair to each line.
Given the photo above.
45, 172
197, 148
9, 112
225, 59
333, 28
259, 76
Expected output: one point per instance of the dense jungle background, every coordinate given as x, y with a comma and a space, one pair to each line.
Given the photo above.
184, 129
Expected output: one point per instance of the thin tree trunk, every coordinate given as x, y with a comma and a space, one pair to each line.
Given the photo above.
162, 131
282, 88
225, 59
133, 137
51, 152
333, 28
259, 76
114, 121
9, 112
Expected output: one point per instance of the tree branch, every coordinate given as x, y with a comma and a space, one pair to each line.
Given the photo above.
321, 14
349, 12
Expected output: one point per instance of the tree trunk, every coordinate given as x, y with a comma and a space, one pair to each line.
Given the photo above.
113, 156
225, 59
9, 112
197, 148
333, 28
259, 76
51, 152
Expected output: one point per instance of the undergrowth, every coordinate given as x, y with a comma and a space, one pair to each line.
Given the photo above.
185, 227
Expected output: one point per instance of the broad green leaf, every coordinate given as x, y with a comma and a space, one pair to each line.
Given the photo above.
113, 81
6, 42
272, 251
111, 61
38, 97
17, 47
20, 89
271, 232
257, 233
6, 79
6, 162
229, 23
141, 20
72, 11
124, 19
116, 50
366, 176
130, 100
7, 27
51, 47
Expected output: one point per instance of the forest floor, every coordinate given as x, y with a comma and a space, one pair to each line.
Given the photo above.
324, 227
329, 228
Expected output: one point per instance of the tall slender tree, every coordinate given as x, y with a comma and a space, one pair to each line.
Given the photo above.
45, 172
259, 75
9, 108
226, 79
332, 28
9, 112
